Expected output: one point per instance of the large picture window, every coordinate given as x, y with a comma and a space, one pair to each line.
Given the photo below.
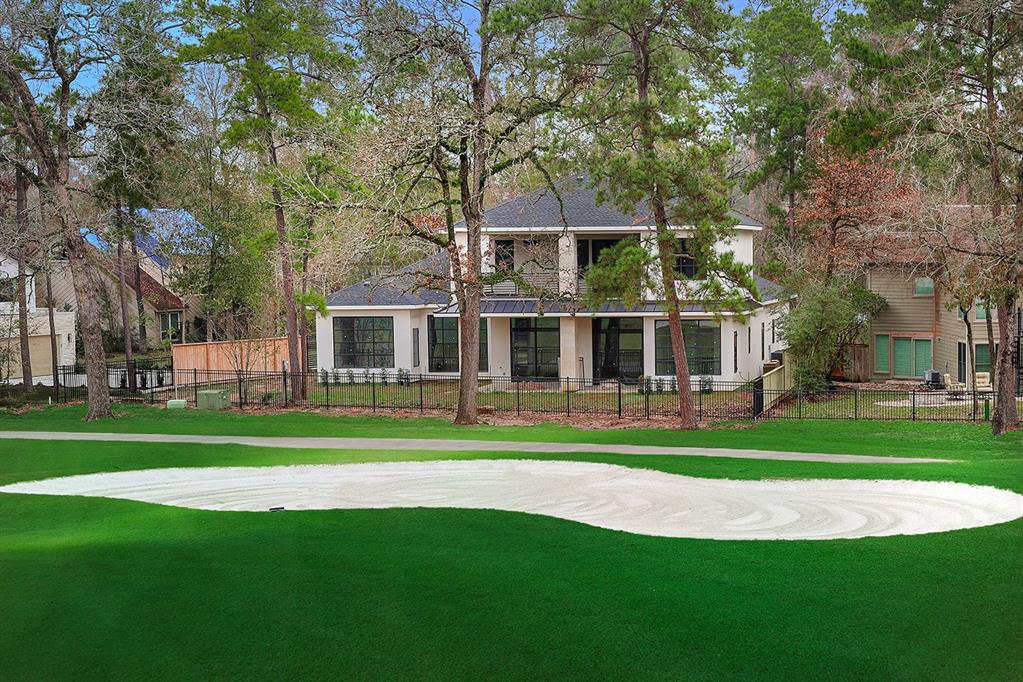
618, 348
443, 336
703, 347
536, 347
365, 342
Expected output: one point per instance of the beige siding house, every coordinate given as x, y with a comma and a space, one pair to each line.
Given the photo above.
922, 328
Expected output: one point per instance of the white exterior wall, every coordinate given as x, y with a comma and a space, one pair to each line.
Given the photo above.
402, 317
9, 270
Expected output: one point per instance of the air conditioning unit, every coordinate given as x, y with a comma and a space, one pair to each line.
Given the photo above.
213, 400
932, 378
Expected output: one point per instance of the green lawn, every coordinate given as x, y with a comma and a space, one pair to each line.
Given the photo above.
95, 588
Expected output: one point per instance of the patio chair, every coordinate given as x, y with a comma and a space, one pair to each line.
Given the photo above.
956, 390
982, 384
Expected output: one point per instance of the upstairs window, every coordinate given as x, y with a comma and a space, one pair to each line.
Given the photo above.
685, 264
504, 254
923, 286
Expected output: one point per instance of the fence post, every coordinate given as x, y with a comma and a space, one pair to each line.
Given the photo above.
373, 390
326, 388
241, 394
799, 403
646, 403
619, 399
195, 386
421, 394
518, 385
913, 395
699, 402
568, 397
856, 403
284, 384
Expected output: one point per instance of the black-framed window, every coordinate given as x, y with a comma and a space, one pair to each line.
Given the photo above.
415, 346
484, 349
763, 344
536, 347
703, 347
735, 352
8, 289
363, 342
504, 254
685, 264
617, 347
442, 334
443, 346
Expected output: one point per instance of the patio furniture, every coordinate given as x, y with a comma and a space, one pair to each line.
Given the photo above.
982, 384
956, 390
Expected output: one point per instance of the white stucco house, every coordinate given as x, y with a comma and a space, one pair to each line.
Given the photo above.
548, 240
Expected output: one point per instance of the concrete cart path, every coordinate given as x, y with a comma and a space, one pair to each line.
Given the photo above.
449, 445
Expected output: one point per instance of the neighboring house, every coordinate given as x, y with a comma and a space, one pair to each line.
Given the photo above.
386, 322
38, 329
922, 328
166, 315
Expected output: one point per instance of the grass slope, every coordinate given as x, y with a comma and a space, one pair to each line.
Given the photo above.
95, 588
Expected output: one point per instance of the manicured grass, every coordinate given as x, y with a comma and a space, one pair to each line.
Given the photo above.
830, 436
95, 588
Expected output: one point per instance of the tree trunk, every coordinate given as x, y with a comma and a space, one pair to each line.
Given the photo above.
288, 289
87, 298
971, 361
469, 293
303, 320
991, 344
54, 356
1005, 418
666, 256
21, 220
140, 301
122, 287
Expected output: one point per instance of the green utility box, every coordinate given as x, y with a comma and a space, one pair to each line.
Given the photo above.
213, 400
176, 404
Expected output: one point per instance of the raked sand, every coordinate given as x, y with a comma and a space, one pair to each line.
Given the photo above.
608, 496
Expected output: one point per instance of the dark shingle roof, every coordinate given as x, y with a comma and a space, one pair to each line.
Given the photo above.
769, 291
402, 288
574, 204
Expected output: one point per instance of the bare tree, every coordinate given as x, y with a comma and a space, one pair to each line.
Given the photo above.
45, 48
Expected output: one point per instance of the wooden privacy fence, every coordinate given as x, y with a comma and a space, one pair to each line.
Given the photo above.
246, 355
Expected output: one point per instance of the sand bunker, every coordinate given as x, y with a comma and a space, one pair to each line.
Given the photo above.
608, 496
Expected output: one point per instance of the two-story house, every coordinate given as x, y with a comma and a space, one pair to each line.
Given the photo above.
922, 328
534, 324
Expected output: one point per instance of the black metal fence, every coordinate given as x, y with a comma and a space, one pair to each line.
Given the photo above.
383, 392
148, 373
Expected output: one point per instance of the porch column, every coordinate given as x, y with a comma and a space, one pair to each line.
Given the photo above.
500, 346
569, 352
568, 276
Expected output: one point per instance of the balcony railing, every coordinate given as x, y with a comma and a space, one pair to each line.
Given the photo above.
544, 284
